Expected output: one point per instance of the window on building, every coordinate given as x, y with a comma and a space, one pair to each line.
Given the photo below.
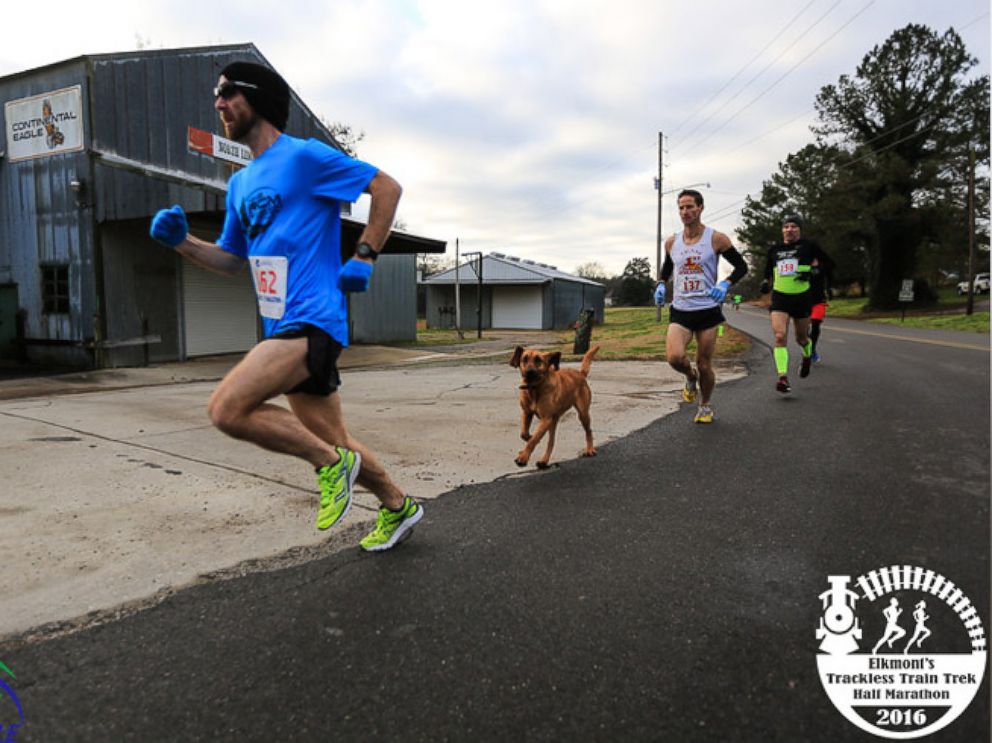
55, 289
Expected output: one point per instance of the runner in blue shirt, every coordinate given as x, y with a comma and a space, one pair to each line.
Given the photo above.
283, 219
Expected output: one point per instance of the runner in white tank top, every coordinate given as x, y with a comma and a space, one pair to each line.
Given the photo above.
692, 259
695, 272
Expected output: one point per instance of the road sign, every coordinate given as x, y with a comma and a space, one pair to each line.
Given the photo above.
207, 143
906, 293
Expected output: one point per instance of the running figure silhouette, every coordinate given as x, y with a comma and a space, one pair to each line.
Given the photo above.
921, 632
892, 629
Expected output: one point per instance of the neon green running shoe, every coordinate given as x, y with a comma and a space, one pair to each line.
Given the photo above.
336, 482
392, 527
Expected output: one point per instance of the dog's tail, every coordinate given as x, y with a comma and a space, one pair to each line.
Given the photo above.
587, 361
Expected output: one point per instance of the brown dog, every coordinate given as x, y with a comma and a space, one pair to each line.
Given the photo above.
548, 391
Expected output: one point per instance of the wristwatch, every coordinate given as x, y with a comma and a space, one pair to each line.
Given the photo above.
364, 250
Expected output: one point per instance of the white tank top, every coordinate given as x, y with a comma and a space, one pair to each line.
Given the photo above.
695, 272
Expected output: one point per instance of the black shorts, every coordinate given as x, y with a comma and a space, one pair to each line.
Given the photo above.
322, 361
798, 306
698, 320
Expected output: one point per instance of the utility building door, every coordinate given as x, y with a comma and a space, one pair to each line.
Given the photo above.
220, 313
517, 307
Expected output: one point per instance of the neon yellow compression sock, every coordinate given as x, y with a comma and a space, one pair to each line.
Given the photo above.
808, 348
782, 360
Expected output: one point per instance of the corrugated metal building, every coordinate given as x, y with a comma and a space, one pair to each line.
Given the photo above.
516, 293
94, 146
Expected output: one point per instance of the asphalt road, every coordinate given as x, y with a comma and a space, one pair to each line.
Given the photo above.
664, 590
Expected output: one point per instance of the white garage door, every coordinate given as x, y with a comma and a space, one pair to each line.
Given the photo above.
219, 312
517, 307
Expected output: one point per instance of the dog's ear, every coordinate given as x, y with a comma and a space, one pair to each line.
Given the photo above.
515, 359
554, 359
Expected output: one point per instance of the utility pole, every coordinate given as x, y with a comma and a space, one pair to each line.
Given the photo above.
658, 185
971, 231
478, 302
458, 298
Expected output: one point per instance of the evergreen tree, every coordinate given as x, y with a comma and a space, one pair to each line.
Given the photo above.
883, 187
636, 287
904, 117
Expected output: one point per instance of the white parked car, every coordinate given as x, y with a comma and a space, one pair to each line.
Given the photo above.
981, 284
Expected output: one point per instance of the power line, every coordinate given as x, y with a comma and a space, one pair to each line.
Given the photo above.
629, 156
794, 119
811, 110
764, 69
731, 208
746, 65
973, 21
727, 210
788, 72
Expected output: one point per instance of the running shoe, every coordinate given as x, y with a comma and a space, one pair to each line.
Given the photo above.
783, 385
336, 482
804, 366
704, 414
816, 357
392, 527
689, 392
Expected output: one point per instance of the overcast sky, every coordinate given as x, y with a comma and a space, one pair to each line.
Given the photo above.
531, 126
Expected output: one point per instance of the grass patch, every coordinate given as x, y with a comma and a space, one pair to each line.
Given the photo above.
633, 333
629, 333
439, 337
977, 322
948, 314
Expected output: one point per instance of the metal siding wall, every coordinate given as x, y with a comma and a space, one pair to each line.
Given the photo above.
567, 303
570, 297
144, 104
438, 297
548, 314
137, 106
596, 298
443, 295
141, 281
40, 221
388, 310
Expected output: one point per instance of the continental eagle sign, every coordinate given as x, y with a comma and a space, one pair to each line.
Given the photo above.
45, 124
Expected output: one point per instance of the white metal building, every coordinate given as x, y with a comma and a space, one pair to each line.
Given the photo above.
516, 293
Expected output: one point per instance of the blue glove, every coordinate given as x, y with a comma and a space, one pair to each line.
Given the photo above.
169, 226
659, 294
354, 276
719, 292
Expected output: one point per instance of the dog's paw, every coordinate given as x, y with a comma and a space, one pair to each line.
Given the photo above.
541, 465
525, 436
589, 453
520, 461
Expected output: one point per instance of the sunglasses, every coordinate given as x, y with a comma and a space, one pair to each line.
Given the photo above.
227, 89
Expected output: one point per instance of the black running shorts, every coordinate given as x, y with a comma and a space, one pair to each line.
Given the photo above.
798, 306
322, 361
698, 320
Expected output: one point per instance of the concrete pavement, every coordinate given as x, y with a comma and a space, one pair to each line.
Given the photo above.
118, 491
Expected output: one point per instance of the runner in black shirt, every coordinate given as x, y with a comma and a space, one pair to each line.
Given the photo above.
789, 271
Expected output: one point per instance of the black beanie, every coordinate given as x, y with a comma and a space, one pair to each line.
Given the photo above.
795, 219
270, 99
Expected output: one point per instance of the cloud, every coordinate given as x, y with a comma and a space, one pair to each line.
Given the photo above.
530, 126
